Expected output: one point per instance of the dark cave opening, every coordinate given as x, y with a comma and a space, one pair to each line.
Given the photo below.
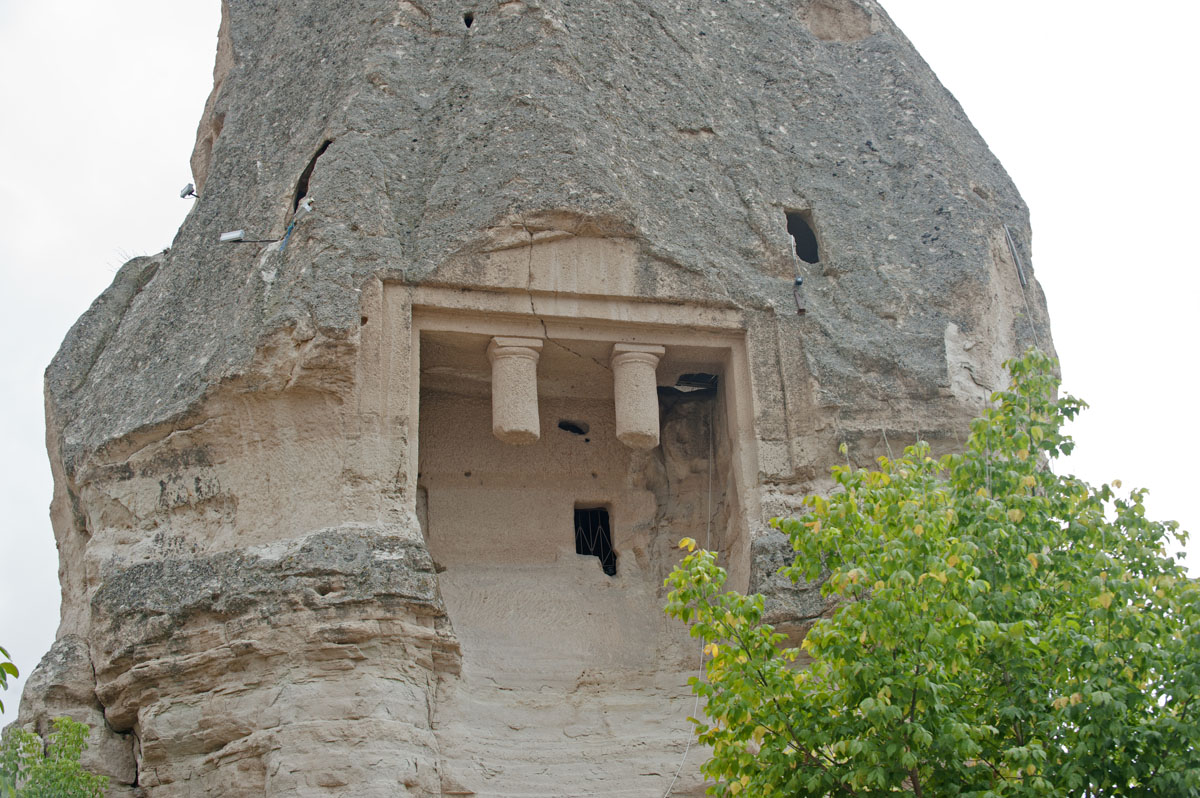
799, 227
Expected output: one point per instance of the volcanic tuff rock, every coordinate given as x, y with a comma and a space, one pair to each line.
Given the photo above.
295, 561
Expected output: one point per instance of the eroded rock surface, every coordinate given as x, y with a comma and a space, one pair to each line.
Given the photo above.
294, 559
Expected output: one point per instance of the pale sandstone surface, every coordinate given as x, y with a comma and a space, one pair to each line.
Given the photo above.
295, 560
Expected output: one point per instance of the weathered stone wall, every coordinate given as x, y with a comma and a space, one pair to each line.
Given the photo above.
569, 676
238, 431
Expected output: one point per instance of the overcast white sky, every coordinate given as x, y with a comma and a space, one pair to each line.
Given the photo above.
1089, 105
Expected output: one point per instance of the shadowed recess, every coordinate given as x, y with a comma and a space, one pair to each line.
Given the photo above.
799, 227
302, 183
593, 536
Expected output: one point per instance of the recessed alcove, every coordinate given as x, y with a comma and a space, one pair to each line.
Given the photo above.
506, 512
539, 609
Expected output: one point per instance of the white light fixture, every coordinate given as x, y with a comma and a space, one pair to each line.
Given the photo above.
233, 235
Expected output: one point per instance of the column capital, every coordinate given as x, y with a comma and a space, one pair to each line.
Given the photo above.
637, 353
509, 346
648, 349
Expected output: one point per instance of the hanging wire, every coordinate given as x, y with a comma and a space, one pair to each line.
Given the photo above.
798, 281
1012, 248
707, 539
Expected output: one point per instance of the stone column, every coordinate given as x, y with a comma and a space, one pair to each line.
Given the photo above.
514, 389
635, 393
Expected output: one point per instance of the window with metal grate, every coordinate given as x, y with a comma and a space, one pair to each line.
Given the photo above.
593, 536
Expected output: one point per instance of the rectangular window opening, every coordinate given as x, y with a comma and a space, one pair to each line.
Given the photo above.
593, 537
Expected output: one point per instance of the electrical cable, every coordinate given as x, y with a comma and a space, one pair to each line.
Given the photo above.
707, 541
1012, 248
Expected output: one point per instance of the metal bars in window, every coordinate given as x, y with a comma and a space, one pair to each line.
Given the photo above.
593, 536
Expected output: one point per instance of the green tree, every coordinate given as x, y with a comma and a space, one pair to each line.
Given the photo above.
7, 668
1001, 631
31, 769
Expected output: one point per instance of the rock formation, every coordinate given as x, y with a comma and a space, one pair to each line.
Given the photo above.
378, 499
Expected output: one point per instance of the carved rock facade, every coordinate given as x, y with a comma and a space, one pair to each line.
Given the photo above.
383, 507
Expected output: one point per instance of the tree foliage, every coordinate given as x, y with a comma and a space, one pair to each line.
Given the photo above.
1001, 631
31, 769
7, 668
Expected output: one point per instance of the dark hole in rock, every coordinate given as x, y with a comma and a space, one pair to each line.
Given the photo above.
364, 320
593, 536
799, 226
696, 381
699, 383
573, 427
468, 19
302, 184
